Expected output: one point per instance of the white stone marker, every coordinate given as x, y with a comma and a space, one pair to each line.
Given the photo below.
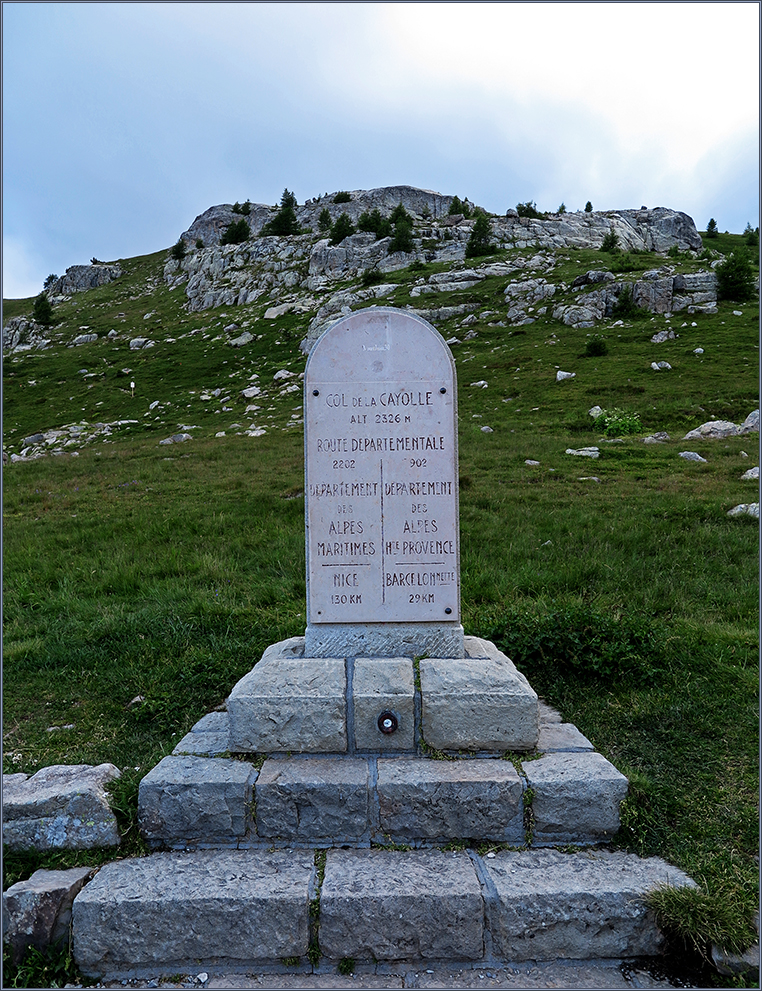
381, 486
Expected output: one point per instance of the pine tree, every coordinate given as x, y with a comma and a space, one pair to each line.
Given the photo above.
324, 221
342, 228
588, 207
735, 277
478, 242
711, 228
43, 311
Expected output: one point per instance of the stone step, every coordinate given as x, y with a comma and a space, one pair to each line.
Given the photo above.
241, 910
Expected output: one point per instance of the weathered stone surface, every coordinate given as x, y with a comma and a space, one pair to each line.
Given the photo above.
691, 456
462, 799
37, 912
556, 737
169, 910
212, 722
313, 798
584, 452
287, 703
420, 905
23, 333
203, 744
478, 703
380, 684
62, 806
196, 800
713, 430
751, 423
745, 509
79, 278
576, 797
578, 906
384, 640
752, 475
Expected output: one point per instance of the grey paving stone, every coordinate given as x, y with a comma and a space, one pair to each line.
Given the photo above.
576, 797
37, 912
290, 704
575, 906
313, 798
203, 744
423, 904
191, 800
478, 703
212, 722
560, 737
61, 806
462, 799
380, 684
169, 911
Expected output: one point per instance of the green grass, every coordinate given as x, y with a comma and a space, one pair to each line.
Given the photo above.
631, 602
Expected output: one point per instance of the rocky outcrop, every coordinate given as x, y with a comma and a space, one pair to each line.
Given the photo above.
23, 334
79, 278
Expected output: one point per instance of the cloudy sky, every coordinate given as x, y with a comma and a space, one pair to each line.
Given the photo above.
122, 122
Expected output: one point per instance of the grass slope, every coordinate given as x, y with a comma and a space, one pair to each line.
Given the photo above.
134, 571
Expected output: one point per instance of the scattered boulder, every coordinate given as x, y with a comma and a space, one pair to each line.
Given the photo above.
176, 439
584, 452
487, 430
595, 412
745, 509
85, 339
692, 456
661, 366
658, 438
62, 806
37, 912
751, 423
244, 338
662, 336
714, 430
752, 475
562, 376
531, 463
140, 342
481, 384
592, 277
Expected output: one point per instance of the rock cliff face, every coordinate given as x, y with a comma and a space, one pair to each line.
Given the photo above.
78, 278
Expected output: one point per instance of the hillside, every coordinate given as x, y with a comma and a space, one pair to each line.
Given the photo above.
153, 504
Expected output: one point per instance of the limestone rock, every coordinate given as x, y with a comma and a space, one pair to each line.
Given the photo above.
79, 278
62, 806
714, 430
745, 509
692, 456
584, 452
37, 912
662, 336
562, 376
22, 334
751, 423
85, 339
658, 438
661, 366
752, 475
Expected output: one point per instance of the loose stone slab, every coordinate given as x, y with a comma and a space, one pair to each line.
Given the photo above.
203, 744
478, 703
381, 484
287, 703
379, 685
576, 797
555, 737
212, 722
579, 906
196, 800
61, 806
168, 911
463, 799
418, 905
313, 799
37, 912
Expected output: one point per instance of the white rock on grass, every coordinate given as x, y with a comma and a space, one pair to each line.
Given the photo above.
595, 412
752, 475
561, 376
692, 456
661, 366
487, 430
662, 336
751, 423
176, 439
658, 438
745, 509
284, 373
531, 463
698, 350
481, 384
584, 452
714, 430
251, 391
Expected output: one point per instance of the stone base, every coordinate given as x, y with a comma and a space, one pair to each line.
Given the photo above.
295, 703
384, 640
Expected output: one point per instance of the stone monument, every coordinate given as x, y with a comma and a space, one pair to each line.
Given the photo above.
384, 664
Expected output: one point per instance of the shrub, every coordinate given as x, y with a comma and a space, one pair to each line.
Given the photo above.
284, 222
735, 278
626, 308
610, 242
596, 347
374, 223
324, 220
342, 197
42, 310
236, 232
751, 235
425, 211
459, 206
246, 208
341, 229
577, 641
416, 266
674, 252
711, 228
49, 281
588, 207
236, 207
402, 239
562, 208
199, 243
287, 200
178, 250
372, 277
529, 209
478, 242
619, 422
95, 261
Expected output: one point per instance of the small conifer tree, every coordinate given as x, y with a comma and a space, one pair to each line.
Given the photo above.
236, 232
342, 228
178, 250
478, 242
711, 228
588, 207
324, 221
43, 311
735, 277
